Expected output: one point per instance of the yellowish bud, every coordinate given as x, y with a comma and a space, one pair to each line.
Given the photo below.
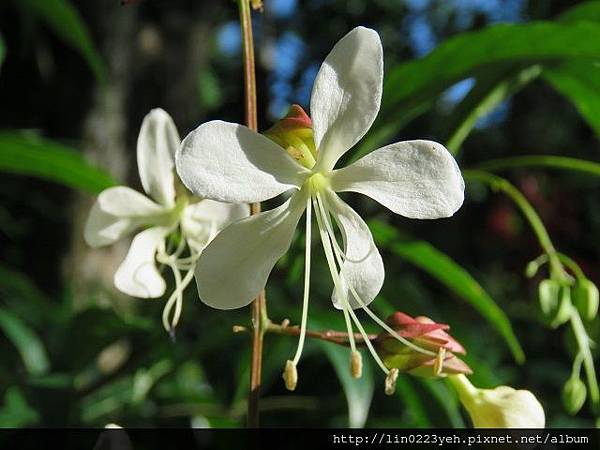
438, 365
356, 364
290, 375
501, 407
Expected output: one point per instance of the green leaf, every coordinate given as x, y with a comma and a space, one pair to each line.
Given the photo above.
31, 155
26, 341
584, 11
64, 20
412, 87
16, 412
359, 393
405, 389
579, 82
487, 94
454, 277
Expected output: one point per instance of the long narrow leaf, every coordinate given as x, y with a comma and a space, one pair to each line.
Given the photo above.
30, 155
64, 20
454, 277
359, 393
26, 341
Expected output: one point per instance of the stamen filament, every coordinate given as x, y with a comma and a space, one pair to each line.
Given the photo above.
305, 299
334, 276
342, 293
362, 304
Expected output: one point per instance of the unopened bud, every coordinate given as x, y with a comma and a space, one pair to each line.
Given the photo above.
555, 302
531, 269
585, 296
438, 365
573, 395
356, 364
390, 382
290, 375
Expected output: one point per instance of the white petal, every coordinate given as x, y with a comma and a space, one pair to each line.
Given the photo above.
156, 146
346, 95
234, 267
117, 212
363, 270
416, 179
138, 275
102, 228
203, 220
229, 162
122, 201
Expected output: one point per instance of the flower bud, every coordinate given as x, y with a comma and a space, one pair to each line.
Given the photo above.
356, 364
573, 395
294, 133
426, 334
555, 302
290, 375
585, 297
501, 407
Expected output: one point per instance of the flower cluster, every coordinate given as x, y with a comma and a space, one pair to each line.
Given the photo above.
200, 226
172, 225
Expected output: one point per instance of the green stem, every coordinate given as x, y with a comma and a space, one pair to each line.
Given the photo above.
583, 341
259, 314
555, 162
498, 183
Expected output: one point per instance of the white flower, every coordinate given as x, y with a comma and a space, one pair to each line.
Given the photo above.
501, 407
228, 162
120, 210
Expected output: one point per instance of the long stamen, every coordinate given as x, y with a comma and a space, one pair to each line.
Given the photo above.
362, 304
346, 306
334, 275
321, 202
306, 282
176, 298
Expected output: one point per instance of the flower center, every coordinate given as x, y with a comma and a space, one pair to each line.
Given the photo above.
317, 183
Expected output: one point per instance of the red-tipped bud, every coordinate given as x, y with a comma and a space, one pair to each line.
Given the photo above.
423, 332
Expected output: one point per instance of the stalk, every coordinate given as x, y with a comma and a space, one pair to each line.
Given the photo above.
259, 303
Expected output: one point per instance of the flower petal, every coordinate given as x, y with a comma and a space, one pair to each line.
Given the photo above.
416, 179
117, 212
122, 201
234, 267
156, 146
230, 163
346, 95
102, 228
363, 270
203, 220
138, 275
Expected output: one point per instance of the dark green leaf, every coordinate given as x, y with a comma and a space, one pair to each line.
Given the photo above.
27, 343
64, 20
359, 393
16, 412
584, 11
31, 155
2, 51
417, 409
579, 81
454, 277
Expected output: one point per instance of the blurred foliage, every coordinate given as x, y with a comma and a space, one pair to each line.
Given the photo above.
73, 362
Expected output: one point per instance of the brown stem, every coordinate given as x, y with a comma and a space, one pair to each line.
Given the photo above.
336, 337
259, 304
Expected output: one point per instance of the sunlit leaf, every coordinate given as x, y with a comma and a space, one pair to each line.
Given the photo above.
487, 94
26, 154
28, 344
64, 20
454, 277
359, 393
411, 88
